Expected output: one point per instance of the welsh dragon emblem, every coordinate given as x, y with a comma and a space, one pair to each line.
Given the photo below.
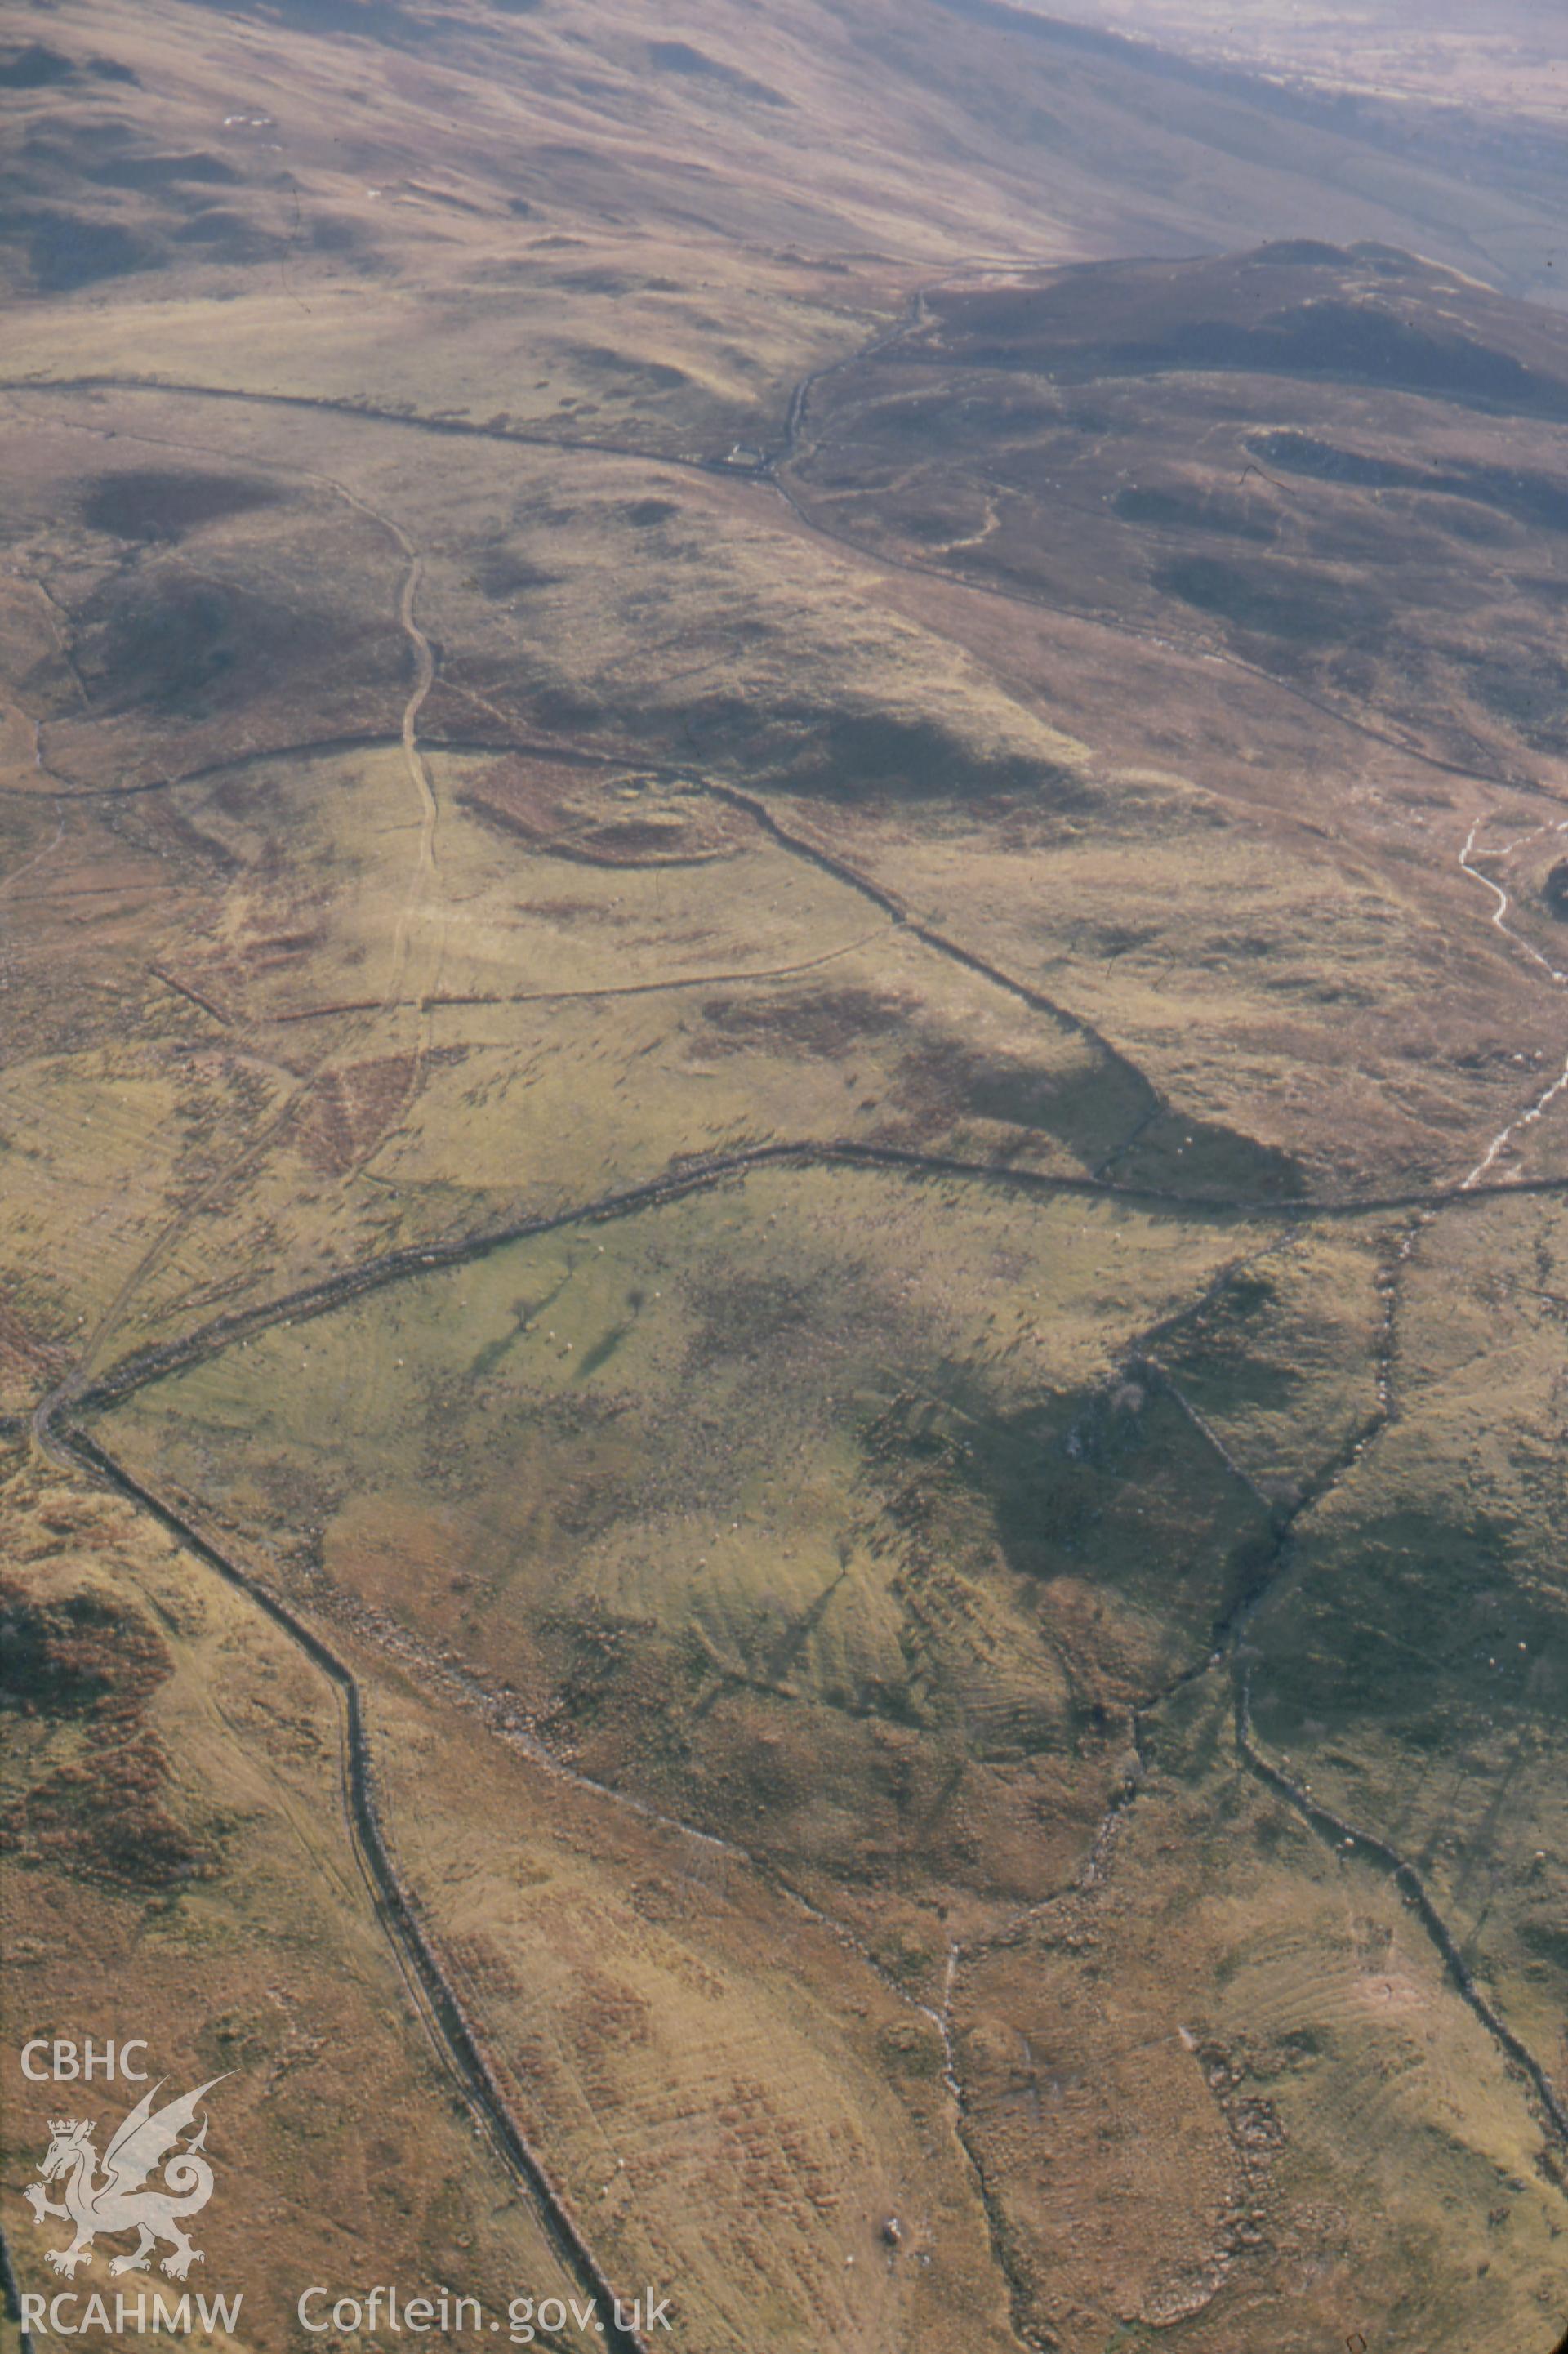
116, 2199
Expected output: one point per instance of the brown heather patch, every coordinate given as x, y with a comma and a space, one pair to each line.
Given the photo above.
349, 1110
86, 1661
84, 1655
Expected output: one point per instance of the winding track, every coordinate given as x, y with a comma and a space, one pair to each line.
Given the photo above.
768, 477
1227, 1637
72, 1447
72, 1382
1555, 973
793, 437
424, 679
